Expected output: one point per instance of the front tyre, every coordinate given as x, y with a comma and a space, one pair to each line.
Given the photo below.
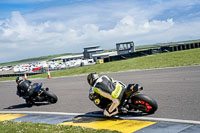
144, 103
51, 97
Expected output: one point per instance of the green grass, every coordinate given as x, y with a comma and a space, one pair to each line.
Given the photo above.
171, 59
23, 127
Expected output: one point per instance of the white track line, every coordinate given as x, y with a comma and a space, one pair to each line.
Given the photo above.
164, 120
35, 112
138, 70
101, 115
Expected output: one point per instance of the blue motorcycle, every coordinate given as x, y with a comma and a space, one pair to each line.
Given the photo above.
39, 94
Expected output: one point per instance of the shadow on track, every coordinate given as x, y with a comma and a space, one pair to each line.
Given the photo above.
24, 105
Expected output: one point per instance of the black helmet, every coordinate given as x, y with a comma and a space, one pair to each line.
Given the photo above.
19, 79
92, 77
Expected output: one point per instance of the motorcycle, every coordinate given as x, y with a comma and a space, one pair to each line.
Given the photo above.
132, 100
40, 94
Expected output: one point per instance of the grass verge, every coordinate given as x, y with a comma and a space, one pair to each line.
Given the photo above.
24, 127
171, 59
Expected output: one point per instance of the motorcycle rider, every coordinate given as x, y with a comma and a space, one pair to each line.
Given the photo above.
107, 88
24, 88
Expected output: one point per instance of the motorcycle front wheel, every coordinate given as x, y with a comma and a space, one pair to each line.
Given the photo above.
144, 103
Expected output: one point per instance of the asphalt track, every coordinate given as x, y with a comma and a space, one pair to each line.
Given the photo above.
175, 89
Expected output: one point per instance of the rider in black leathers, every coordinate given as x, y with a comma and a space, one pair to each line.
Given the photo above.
24, 88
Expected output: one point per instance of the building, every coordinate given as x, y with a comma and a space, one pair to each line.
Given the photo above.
125, 48
89, 51
68, 58
104, 56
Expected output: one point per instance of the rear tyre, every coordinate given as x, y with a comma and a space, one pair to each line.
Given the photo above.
51, 97
144, 103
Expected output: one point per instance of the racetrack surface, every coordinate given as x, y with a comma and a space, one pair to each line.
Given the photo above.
176, 90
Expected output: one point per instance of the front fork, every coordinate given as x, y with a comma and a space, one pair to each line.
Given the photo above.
130, 91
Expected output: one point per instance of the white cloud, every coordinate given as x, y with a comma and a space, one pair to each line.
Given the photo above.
70, 28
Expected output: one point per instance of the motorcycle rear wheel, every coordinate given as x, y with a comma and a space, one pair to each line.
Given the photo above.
51, 97
144, 103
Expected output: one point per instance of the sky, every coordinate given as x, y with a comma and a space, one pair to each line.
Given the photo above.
33, 28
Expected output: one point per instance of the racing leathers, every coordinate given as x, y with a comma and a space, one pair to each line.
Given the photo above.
24, 88
110, 89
